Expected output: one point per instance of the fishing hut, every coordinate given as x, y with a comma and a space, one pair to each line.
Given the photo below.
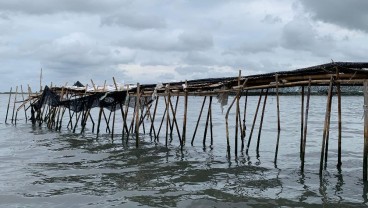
67, 106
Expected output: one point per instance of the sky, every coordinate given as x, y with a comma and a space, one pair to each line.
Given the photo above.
153, 41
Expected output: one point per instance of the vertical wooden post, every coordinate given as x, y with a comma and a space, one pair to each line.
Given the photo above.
15, 100
211, 121
236, 117
254, 121
306, 125
244, 118
207, 120
174, 122
137, 105
301, 122
185, 112
7, 110
24, 106
326, 127
99, 120
339, 118
113, 121
278, 118
261, 122
365, 149
167, 114
199, 118
127, 101
154, 116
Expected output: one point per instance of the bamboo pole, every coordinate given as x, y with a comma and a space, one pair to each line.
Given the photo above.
113, 122
305, 125
127, 101
365, 149
24, 107
199, 118
76, 122
236, 117
185, 112
261, 122
207, 121
326, 127
137, 105
301, 123
254, 121
94, 86
167, 114
339, 163
278, 119
162, 121
211, 126
244, 119
15, 100
152, 128
227, 117
174, 121
7, 110
99, 120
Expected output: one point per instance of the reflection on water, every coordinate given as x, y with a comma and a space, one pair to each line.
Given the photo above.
42, 168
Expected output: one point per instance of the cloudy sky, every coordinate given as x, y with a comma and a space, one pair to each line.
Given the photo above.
151, 41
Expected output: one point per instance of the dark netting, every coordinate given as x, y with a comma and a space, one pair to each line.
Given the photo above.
109, 100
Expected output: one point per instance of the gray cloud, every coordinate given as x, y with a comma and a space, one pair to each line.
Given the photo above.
56, 6
351, 14
299, 34
157, 41
135, 21
78, 54
271, 19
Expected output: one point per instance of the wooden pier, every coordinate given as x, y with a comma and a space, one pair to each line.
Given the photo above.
70, 106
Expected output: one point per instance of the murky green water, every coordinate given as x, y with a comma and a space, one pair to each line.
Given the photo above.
43, 168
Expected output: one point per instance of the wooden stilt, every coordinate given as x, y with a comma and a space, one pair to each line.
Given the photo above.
261, 122
207, 121
7, 110
365, 149
174, 115
301, 123
236, 118
93, 122
154, 116
254, 121
227, 116
15, 100
278, 118
185, 112
326, 127
199, 118
108, 122
162, 121
76, 122
211, 126
174, 121
305, 125
167, 114
127, 113
113, 122
244, 119
99, 120
24, 107
339, 163
137, 105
